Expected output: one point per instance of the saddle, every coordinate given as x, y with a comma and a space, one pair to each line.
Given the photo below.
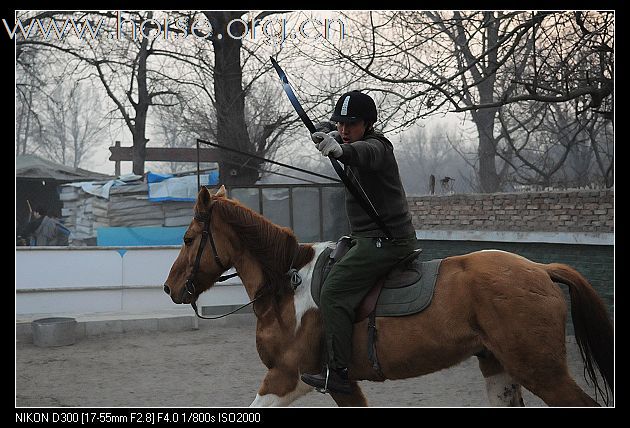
405, 290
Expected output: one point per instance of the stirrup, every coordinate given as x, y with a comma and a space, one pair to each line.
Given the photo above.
324, 390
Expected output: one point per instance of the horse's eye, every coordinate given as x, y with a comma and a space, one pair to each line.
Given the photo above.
187, 241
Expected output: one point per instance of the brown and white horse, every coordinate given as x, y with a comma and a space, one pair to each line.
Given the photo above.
500, 307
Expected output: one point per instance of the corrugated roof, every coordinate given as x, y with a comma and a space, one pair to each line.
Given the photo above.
35, 167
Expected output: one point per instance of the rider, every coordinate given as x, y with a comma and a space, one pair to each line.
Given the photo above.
370, 158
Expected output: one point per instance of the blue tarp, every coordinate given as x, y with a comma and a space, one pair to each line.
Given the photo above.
139, 236
153, 177
165, 187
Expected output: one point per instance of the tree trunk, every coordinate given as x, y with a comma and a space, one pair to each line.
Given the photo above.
28, 121
142, 109
488, 176
484, 73
230, 101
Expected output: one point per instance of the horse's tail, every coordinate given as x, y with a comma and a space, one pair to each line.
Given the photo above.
593, 328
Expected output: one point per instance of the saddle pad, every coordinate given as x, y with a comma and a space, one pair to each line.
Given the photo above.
405, 300
411, 299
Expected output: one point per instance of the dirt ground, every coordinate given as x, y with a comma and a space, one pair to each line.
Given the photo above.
211, 367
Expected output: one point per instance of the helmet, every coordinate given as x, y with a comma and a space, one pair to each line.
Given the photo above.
354, 106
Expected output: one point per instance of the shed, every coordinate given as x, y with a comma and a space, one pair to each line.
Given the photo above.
37, 180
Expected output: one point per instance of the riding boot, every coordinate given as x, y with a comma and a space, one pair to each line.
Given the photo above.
333, 380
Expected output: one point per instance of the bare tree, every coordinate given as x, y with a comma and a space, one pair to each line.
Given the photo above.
414, 63
222, 85
56, 115
25, 116
233, 130
234, 80
601, 139
29, 97
139, 72
425, 152
551, 145
85, 121
140, 80
455, 60
125, 81
539, 147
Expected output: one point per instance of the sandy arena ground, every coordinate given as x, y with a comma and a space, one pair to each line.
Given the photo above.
211, 367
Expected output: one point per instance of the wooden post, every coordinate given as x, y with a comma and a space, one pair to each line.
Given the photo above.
117, 164
166, 154
198, 177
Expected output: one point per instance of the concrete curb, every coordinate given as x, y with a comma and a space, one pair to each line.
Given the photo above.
117, 322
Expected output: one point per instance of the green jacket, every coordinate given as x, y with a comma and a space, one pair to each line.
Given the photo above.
373, 164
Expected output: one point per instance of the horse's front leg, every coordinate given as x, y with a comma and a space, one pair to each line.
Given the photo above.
279, 388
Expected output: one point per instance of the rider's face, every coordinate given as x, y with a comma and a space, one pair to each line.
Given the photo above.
351, 132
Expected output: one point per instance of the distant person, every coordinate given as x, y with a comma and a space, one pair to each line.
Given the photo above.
27, 233
447, 184
44, 229
46, 233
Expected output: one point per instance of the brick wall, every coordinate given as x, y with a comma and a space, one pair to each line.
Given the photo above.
575, 211
552, 211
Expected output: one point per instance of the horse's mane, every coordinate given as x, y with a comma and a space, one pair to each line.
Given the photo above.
273, 246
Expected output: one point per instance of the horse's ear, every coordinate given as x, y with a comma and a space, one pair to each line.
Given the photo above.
203, 198
221, 192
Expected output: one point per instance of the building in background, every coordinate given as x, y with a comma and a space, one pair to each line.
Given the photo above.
37, 181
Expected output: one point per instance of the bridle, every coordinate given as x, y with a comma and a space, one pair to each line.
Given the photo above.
204, 218
206, 234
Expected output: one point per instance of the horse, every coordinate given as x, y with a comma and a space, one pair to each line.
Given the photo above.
502, 308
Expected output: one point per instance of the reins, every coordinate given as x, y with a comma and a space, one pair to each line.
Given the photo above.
194, 306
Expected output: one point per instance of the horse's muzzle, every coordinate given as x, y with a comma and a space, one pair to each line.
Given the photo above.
184, 296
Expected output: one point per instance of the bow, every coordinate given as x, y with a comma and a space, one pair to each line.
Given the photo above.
358, 192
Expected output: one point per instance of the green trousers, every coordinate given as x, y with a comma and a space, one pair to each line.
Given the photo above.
348, 282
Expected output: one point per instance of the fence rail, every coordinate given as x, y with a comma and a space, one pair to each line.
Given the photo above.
313, 211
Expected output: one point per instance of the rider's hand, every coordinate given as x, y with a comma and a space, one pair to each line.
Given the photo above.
327, 144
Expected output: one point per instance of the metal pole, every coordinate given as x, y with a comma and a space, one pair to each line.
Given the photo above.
266, 160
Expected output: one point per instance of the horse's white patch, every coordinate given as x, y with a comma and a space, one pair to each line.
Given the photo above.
303, 301
273, 400
503, 391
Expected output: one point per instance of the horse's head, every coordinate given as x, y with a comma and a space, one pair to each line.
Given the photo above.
205, 253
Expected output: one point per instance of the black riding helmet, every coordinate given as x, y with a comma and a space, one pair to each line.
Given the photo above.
354, 106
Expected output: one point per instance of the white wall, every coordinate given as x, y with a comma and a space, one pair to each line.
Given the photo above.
68, 280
